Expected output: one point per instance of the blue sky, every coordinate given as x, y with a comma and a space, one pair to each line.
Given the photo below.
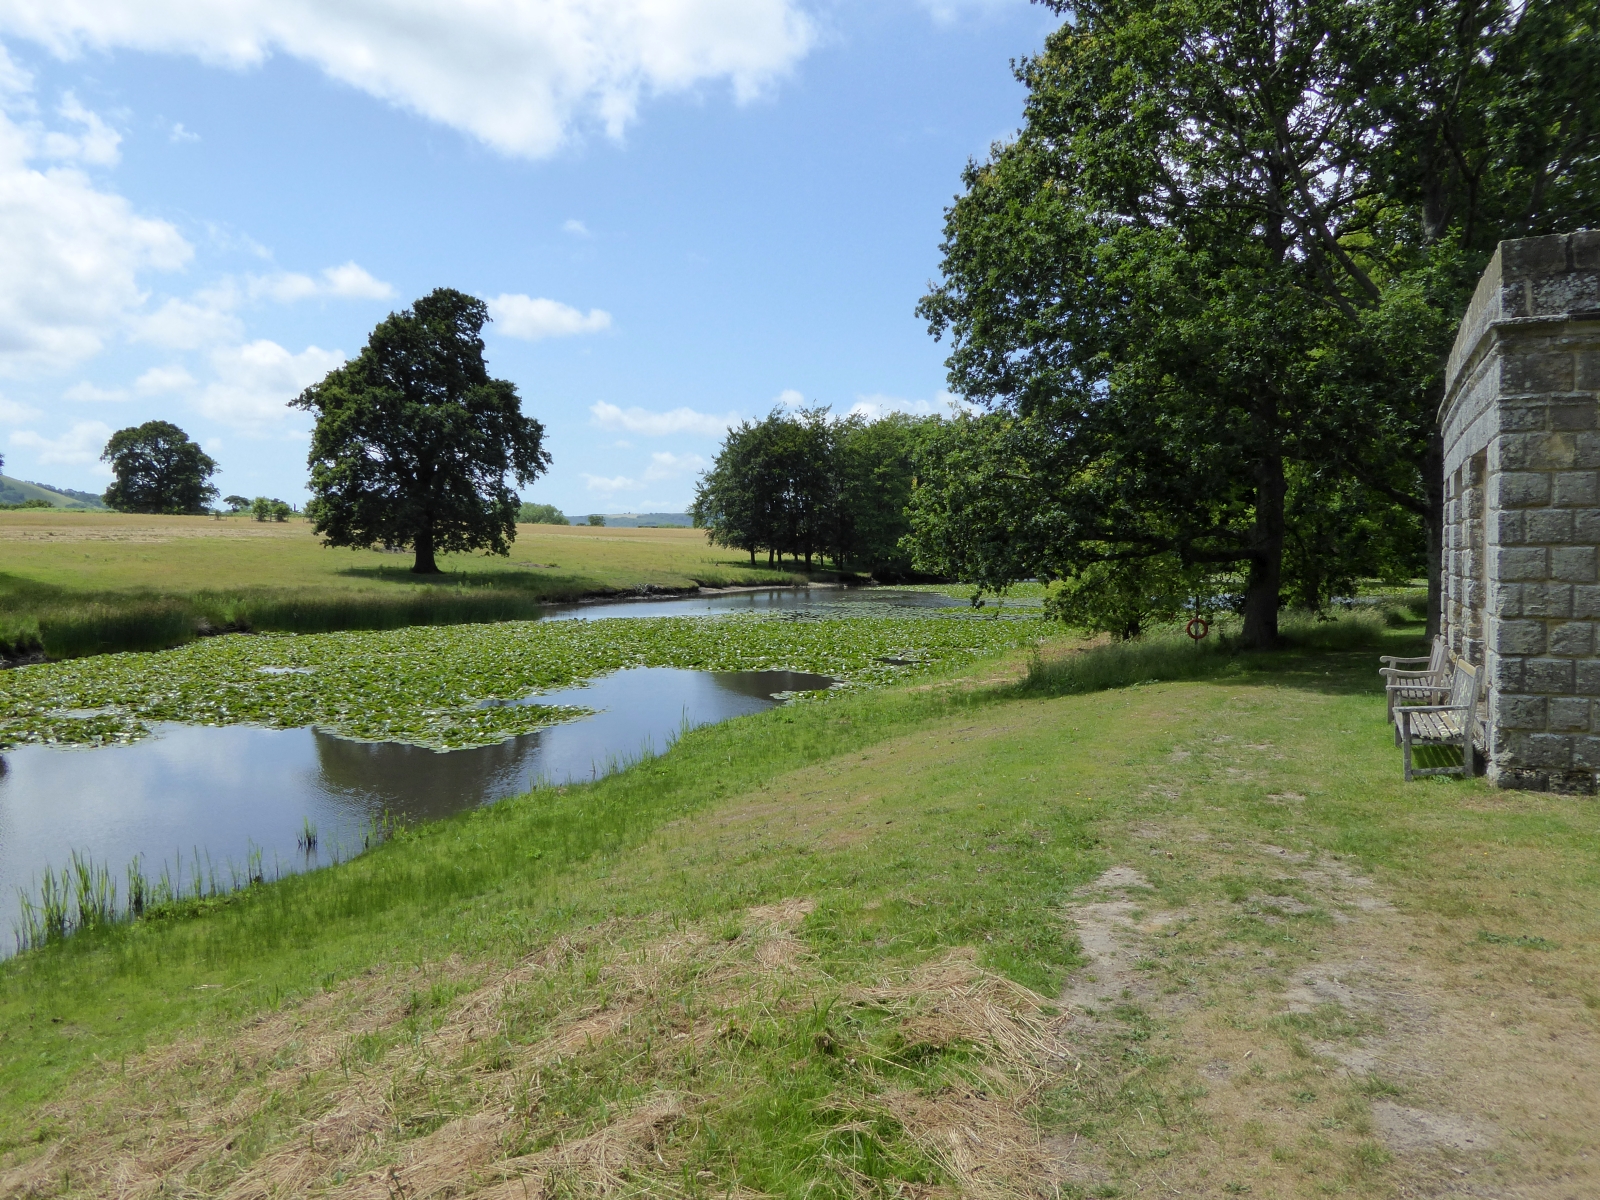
680, 211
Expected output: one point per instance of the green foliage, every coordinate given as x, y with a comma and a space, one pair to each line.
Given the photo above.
1125, 597
414, 440
1212, 290
541, 514
431, 685
1169, 653
158, 469
806, 485
237, 503
597, 519
33, 503
265, 508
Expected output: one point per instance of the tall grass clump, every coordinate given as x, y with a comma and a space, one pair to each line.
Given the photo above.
19, 635
1170, 654
1162, 654
1354, 629
76, 630
323, 613
83, 895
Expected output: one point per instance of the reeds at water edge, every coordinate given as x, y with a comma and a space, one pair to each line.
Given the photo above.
84, 895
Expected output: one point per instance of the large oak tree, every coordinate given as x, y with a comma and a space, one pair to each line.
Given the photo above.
1216, 274
414, 441
156, 468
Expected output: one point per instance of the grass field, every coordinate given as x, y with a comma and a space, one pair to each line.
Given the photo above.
74, 583
967, 936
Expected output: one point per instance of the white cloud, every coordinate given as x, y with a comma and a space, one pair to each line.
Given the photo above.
612, 485
83, 443
789, 398
353, 282
191, 324
654, 424
877, 405
575, 227
347, 282
70, 254
157, 380
672, 466
517, 74
13, 413
947, 11
531, 319
96, 145
179, 134
255, 382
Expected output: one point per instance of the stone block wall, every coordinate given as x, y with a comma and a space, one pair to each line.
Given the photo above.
1521, 425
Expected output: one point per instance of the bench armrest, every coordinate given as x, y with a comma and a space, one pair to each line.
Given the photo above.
1390, 658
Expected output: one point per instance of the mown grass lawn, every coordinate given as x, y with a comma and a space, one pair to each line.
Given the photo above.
957, 937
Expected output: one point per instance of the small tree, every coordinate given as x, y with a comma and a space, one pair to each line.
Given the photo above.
597, 519
236, 503
414, 440
541, 514
158, 470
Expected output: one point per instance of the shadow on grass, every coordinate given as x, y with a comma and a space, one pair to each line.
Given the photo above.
1334, 656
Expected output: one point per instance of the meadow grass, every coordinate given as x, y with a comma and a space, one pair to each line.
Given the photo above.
77, 583
749, 956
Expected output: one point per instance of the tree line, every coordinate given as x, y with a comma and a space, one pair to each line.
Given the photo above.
810, 486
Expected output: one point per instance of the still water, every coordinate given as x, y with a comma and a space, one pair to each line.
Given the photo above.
225, 791
817, 601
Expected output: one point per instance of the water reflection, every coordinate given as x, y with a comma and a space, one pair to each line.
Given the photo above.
227, 790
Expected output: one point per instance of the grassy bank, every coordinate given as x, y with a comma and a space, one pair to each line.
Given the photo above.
971, 935
75, 583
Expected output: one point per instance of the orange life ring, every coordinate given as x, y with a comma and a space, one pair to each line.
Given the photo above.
1198, 627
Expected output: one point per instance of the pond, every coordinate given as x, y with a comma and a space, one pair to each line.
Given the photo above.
229, 749
223, 792
799, 601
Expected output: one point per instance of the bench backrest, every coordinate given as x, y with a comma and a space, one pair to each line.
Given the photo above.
1464, 686
1440, 657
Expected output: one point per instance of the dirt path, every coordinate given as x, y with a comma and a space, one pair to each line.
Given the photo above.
1336, 1054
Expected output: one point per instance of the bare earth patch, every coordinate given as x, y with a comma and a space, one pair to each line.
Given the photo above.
1339, 1058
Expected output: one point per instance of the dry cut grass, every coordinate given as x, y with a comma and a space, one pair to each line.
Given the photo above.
614, 1061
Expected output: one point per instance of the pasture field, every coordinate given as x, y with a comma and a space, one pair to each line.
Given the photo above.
980, 933
75, 583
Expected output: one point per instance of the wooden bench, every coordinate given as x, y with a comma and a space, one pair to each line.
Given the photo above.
1413, 685
1454, 723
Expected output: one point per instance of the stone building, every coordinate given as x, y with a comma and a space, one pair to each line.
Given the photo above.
1521, 427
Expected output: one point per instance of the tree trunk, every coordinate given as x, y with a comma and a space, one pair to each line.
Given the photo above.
752, 556
1433, 489
769, 557
1266, 557
424, 564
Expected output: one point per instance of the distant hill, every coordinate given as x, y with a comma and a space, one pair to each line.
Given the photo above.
635, 520
15, 491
